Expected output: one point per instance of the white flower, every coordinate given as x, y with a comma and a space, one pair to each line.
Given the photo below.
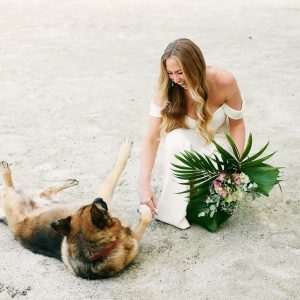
244, 178
212, 207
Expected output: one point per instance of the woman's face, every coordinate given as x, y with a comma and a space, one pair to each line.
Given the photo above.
175, 72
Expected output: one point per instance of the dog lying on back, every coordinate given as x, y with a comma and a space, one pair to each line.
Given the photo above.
90, 240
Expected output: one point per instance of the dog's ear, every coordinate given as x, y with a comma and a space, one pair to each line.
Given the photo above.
101, 202
62, 226
99, 215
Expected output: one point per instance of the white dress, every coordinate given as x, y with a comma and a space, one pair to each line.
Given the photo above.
172, 206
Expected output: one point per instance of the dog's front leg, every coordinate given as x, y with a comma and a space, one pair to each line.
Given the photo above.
146, 218
110, 183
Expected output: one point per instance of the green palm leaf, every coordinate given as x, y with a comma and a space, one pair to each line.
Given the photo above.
198, 172
224, 153
218, 162
248, 148
257, 162
256, 155
234, 147
200, 189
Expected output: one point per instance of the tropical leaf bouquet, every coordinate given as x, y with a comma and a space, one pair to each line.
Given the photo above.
217, 184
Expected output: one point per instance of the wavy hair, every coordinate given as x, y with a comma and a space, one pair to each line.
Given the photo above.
174, 108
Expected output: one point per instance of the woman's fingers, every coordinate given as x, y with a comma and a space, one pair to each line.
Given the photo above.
153, 206
154, 201
149, 199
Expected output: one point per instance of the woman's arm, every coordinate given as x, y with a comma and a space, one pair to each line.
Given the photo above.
237, 127
237, 133
148, 155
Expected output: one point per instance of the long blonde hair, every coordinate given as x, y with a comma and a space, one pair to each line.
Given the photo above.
174, 108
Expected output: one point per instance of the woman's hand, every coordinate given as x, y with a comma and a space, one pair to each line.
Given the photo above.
148, 197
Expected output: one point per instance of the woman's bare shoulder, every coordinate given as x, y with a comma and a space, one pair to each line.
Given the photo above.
221, 77
223, 84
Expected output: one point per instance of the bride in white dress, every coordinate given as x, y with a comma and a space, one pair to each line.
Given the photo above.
194, 103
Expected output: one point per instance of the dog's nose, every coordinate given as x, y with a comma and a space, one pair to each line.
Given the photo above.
101, 202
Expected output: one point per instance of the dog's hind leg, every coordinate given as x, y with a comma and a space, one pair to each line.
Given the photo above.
107, 190
2, 214
51, 192
146, 218
13, 204
6, 174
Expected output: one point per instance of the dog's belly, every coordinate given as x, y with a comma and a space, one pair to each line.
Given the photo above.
45, 241
36, 234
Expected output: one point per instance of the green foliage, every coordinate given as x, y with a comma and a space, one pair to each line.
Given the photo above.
210, 223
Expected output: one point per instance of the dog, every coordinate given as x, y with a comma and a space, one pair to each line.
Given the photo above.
89, 239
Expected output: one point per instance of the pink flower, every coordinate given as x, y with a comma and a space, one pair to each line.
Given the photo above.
216, 184
236, 178
222, 177
219, 189
224, 193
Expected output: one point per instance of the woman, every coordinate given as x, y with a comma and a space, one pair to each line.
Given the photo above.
194, 103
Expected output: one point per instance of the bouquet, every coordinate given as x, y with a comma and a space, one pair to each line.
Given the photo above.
217, 184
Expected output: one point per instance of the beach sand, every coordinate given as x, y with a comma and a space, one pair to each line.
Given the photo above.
76, 77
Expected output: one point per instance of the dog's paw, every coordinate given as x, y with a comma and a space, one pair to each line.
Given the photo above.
126, 147
72, 182
145, 212
4, 167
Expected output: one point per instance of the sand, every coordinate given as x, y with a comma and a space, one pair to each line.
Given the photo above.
76, 77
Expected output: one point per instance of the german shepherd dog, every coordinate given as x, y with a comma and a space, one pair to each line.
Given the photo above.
90, 240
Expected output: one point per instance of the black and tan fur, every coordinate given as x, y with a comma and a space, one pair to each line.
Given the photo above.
72, 233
